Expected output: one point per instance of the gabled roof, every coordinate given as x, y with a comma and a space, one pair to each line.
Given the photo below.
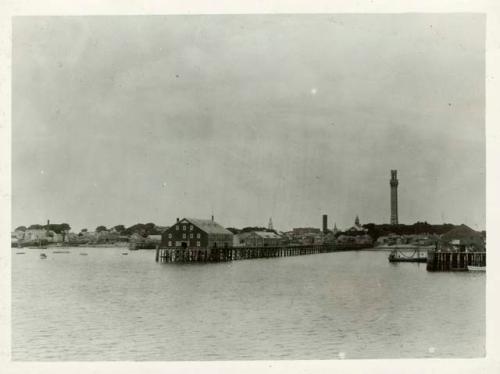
357, 228
267, 235
207, 225
461, 231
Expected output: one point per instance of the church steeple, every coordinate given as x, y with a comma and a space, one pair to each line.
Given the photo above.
356, 221
335, 229
270, 224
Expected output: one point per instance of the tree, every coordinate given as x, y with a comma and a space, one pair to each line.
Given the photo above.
35, 227
61, 228
119, 228
101, 228
84, 230
151, 229
21, 228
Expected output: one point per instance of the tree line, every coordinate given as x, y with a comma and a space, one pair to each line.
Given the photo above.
143, 229
418, 228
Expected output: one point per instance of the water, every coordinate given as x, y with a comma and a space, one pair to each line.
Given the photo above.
106, 306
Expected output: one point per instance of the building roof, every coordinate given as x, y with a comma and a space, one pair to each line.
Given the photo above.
357, 227
209, 226
267, 235
459, 232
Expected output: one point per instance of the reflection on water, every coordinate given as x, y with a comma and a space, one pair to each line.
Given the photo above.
106, 306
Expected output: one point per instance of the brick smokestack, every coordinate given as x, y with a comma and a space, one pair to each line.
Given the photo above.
325, 223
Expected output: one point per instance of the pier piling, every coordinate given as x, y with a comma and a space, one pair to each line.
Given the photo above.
186, 255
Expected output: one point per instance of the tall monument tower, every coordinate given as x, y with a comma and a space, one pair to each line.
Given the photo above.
394, 197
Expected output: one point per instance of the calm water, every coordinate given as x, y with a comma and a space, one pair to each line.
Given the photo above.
106, 306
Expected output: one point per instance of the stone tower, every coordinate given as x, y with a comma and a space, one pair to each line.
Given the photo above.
394, 197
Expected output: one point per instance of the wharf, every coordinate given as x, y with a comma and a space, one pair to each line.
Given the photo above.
183, 255
454, 261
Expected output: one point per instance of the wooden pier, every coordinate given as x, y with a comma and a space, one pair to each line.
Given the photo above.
454, 261
184, 255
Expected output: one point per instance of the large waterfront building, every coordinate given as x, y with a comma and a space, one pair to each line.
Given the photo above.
394, 197
194, 232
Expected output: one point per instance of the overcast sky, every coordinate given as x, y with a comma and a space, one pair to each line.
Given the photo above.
119, 120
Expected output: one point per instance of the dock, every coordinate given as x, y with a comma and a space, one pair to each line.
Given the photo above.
186, 255
454, 261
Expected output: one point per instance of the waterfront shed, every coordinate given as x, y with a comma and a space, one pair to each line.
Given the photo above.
259, 239
195, 232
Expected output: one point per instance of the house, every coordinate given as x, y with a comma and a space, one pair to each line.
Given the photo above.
258, 239
195, 232
357, 228
364, 239
154, 238
462, 239
300, 231
32, 235
356, 234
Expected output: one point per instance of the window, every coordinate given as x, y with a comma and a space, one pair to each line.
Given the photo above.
169, 243
198, 243
177, 227
183, 227
183, 236
191, 227
170, 236
191, 236
198, 235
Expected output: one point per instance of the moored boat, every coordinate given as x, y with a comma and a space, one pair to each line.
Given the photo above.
43, 256
476, 268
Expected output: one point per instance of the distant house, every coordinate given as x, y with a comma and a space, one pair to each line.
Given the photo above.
258, 239
357, 228
355, 239
463, 239
356, 234
195, 232
299, 231
31, 235
154, 238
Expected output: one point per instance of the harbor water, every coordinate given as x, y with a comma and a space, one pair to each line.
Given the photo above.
108, 306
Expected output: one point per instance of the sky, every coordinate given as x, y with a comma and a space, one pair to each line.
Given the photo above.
127, 119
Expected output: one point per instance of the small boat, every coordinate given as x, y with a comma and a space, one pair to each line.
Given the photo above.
43, 256
125, 253
83, 254
476, 268
60, 252
20, 253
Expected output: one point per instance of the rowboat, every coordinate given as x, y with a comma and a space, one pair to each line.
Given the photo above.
476, 268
